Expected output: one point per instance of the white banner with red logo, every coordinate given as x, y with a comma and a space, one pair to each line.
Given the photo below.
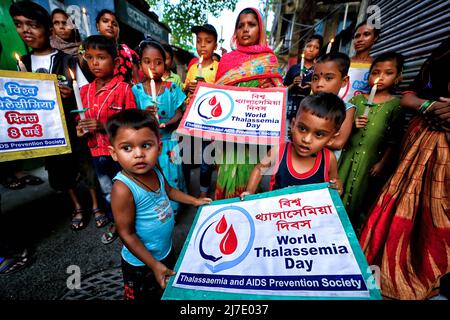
32, 123
236, 114
358, 81
296, 242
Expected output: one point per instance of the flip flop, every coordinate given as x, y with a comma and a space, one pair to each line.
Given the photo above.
15, 264
101, 220
109, 237
77, 223
14, 183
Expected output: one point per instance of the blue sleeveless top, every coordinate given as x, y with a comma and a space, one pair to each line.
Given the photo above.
154, 221
286, 175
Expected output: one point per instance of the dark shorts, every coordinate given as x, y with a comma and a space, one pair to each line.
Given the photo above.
140, 283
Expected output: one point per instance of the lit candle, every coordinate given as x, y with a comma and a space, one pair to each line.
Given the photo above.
85, 22
21, 65
371, 97
76, 92
302, 63
153, 92
199, 74
330, 44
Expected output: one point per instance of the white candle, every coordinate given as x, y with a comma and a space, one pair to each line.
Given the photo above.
302, 63
76, 92
199, 74
21, 65
85, 22
153, 92
329, 45
373, 91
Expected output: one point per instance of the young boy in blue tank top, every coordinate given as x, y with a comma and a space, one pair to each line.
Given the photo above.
306, 159
140, 204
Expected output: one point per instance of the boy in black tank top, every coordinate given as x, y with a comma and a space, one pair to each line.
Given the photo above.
306, 159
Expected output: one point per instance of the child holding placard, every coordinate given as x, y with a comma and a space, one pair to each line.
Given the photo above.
370, 145
140, 203
306, 159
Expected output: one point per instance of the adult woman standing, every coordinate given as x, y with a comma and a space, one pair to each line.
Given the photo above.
407, 232
364, 37
108, 26
251, 64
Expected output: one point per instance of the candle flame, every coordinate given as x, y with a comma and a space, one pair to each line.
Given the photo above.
376, 81
84, 10
200, 60
303, 55
71, 74
332, 40
150, 73
17, 56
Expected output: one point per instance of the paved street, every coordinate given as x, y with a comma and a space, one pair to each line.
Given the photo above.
40, 218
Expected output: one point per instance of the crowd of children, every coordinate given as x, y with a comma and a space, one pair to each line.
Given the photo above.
135, 102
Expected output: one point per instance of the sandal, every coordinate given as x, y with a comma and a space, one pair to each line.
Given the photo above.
100, 218
14, 264
77, 223
13, 183
109, 236
31, 180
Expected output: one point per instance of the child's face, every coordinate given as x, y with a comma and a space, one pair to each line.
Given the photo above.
206, 44
387, 73
247, 30
100, 62
364, 38
108, 26
137, 151
152, 58
169, 61
311, 50
310, 134
31, 32
327, 78
62, 27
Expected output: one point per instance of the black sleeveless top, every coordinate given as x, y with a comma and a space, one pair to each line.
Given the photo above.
286, 175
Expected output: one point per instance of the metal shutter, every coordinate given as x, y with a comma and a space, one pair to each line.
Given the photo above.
412, 28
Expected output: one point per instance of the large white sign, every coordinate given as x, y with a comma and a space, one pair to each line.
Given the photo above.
31, 119
290, 242
227, 113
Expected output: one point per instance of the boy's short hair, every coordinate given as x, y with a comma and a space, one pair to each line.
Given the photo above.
33, 11
341, 59
208, 28
131, 118
317, 37
101, 43
390, 56
218, 57
324, 105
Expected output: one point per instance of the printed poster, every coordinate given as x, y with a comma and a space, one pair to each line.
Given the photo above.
358, 83
293, 243
32, 122
235, 114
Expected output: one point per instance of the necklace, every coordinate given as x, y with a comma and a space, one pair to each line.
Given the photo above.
141, 183
148, 90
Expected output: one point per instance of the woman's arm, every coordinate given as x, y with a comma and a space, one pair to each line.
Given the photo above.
122, 204
345, 131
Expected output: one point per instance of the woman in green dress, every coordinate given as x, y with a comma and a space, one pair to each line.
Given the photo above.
251, 64
369, 148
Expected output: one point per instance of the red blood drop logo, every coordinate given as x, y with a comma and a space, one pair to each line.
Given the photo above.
229, 242
221, 226
212, 101
216, 111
